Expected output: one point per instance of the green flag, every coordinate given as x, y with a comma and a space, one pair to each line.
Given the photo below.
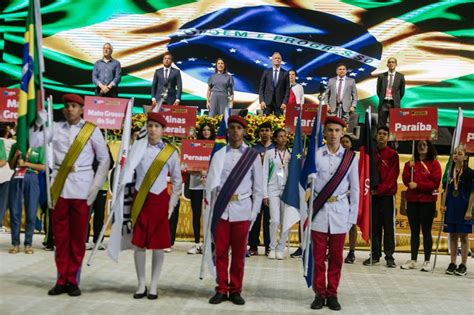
29, 86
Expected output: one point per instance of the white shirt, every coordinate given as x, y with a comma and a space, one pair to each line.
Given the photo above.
248, 208
79, 183
336, 217
275, 171
172, 167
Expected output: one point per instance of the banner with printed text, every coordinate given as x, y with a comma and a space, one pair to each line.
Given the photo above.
181, 120
467, 134
413, 124
195, 154
8, 105
105, 112
307, 117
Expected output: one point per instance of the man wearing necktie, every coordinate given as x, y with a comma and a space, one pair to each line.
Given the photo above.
167, 78
341, 94
390, 90
274, 88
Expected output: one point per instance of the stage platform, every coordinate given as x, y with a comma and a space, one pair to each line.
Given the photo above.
270, 287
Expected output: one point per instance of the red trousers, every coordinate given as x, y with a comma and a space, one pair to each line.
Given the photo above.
335, 242
69, 220
232, 235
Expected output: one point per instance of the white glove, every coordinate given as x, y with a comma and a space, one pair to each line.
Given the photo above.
311, 178
41, 118
92, 195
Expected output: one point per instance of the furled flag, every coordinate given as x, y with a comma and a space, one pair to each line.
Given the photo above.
454, 143
368, 177
30, 82
291, 193
118, 189
216, 165
309, 168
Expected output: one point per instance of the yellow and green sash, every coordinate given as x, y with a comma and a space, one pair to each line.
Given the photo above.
71, 156
149, 179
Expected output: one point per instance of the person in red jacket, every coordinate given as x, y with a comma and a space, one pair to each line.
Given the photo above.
383, 195
421, 199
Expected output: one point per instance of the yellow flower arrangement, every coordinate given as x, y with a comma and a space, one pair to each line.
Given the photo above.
253, 121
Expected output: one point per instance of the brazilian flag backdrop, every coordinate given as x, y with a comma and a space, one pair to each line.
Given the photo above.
432, 40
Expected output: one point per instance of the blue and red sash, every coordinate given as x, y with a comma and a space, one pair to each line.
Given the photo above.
332, 184
230, 186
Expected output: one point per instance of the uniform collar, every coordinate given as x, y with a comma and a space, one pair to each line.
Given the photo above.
159, 145
80, 124
242, 148
339, 153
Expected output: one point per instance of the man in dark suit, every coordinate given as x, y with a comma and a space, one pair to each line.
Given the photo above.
390, 90
167, 77
274, 88
341, 94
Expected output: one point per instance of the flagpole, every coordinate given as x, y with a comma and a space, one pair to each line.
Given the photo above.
413, 159
46, 153
369, 109
206, 234
457, 132
311, 199
39, 46
115, 198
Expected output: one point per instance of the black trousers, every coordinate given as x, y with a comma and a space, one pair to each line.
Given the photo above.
273, 108
173, 222
196, 205
254, 235
382, 222
47, 226
98, 207
383, 112
421, 214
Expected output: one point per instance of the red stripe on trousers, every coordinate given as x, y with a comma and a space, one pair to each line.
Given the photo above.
69, 220
335, 243
232, 235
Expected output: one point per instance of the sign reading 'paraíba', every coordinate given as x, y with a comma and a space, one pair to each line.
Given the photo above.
414, 124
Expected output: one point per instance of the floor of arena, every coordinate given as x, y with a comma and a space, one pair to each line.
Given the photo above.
270, 287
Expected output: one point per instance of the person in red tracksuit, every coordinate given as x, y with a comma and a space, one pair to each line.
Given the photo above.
383, 195
421, 199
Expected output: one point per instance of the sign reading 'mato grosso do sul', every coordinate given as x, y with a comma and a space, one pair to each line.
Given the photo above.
413, 124
105, 112
9, 99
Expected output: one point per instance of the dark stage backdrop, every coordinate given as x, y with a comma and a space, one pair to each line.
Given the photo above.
433, 41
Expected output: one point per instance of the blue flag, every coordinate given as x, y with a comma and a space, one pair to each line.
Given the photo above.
309, 168
290, 194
